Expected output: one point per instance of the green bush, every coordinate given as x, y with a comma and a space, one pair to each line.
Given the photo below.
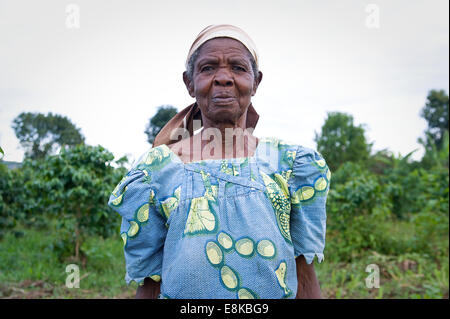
357, 205
7, 197
71, 188
361, 205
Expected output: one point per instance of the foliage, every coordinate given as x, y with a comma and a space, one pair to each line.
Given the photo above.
157, 122
340, 141
365, 198
357, 204
435, 157
403, 275
384, 209
32, 268
74, 188
435, 113
41, 135
16, 202
7, 189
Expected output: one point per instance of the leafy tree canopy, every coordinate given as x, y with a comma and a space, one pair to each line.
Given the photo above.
42, 135
74, 186
341, 141
157, 122
435, 112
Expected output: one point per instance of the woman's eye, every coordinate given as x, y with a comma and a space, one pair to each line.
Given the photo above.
238, 68
206, 68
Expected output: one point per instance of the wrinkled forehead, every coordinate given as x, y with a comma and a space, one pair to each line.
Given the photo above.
223, 45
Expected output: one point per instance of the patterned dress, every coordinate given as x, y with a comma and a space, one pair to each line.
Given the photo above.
223, 228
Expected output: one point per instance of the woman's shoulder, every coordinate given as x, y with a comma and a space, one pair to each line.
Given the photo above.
277, 153
283, 146
158, 169
155, 159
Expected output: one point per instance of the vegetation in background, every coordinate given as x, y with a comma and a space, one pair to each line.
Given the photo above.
340, 141
383, 209
157, 122
435, 113
41, 135
74, 188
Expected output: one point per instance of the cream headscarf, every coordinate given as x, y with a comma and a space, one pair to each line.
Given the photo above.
184, 119
226, 31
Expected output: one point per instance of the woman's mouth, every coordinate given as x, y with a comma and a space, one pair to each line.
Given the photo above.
223, 100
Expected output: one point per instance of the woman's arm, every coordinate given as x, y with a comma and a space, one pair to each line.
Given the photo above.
308, 284
150, 289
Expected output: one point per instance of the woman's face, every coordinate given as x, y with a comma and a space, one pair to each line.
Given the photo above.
223, 81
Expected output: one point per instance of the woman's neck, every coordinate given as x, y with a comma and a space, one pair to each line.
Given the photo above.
226, 143
211, 143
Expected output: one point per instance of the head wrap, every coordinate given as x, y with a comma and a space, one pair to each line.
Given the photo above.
185, 118
223, 31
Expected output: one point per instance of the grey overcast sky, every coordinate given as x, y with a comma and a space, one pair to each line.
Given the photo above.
376, 60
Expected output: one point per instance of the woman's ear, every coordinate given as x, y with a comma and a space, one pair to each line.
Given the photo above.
256, 82
189, 84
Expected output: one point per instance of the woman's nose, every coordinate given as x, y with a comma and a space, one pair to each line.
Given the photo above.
223, 77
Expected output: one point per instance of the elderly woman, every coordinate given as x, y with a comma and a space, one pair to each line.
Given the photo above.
222, 213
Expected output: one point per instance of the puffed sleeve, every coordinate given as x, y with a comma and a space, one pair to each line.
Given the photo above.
309, 185
143, 228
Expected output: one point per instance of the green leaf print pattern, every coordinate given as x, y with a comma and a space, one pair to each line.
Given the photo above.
115, 192
142, 213
266, 249
155, 159
245, 247
280, 272
214, 254
278, 196
229, 168
141, 216
245, 293
171, 203
305, 194
225, 241
118, 201
210, 189
229, 278
201, 218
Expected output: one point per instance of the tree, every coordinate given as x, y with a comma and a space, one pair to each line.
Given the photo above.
74, 187
434, 157
157, 122
42, 135
341, 141
435, 112
7, 196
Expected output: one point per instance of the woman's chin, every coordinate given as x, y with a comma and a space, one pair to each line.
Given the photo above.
227, 113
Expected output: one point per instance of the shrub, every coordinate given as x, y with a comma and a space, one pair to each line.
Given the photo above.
73, 188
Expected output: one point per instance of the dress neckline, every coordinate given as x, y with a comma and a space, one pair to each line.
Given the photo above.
212, 160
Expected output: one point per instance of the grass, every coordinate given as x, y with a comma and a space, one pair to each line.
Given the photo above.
405, 276
406, 269
30, 268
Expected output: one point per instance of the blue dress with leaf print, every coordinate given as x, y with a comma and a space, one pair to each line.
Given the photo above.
223, 229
